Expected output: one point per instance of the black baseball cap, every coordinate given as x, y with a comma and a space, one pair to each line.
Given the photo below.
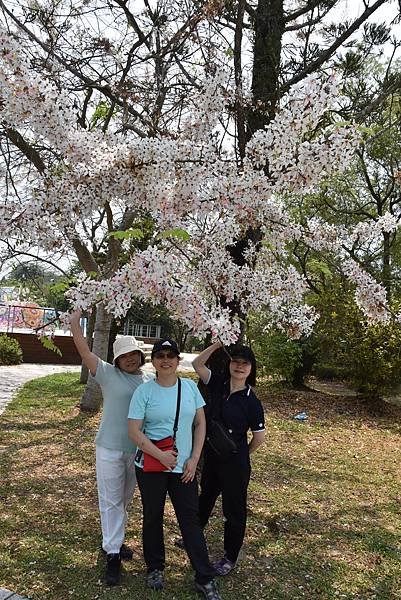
166, 344
242, 352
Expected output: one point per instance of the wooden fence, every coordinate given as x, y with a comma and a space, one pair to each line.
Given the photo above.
34, 352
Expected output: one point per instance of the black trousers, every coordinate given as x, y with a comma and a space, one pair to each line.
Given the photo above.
184, 497
231, 480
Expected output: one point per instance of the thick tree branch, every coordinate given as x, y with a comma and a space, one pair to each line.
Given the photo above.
307, 8
27, 149
144, 39
308, 23
85, 257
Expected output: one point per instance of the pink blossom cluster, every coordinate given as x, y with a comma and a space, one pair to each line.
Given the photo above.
188, 184
372, 230
296, 160
370, 296
160, 277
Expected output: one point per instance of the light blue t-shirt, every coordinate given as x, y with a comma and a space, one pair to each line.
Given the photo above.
156, 406
117, 389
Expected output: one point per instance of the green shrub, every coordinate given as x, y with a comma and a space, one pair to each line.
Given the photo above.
280, 356
367, 356
374, 358
10, 351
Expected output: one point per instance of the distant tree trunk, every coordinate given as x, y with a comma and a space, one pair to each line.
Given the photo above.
92, 397
89, 338
386, 265
114, 328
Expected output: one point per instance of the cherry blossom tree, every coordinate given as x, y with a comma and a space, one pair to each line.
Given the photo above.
198, 200
183, 174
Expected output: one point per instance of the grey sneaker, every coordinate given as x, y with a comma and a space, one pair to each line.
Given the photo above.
155, 580
224, 566
209, 590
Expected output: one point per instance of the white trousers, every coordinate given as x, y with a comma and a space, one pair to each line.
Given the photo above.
115, 474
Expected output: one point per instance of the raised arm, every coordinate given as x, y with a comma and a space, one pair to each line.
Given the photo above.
88, 358
199, 362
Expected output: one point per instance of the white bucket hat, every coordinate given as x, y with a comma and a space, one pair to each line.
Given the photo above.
125, 344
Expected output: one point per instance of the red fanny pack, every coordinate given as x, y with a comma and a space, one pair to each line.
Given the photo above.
151, 464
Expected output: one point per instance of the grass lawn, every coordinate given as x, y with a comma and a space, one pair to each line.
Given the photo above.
324, 504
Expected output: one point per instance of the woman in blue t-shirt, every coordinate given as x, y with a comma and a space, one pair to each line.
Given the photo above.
152, 415
114, 450
234, 404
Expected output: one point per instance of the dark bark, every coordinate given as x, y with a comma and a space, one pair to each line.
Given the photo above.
269, 30
239, 104
27, 149
386, 263
114, 327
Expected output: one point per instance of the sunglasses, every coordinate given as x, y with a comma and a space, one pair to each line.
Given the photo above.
165, 355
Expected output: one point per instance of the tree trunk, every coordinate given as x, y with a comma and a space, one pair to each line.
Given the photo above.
92, 397
89, 338
114, 327
386, 264
269, 31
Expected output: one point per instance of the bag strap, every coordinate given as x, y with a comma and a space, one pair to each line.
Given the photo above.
177, 412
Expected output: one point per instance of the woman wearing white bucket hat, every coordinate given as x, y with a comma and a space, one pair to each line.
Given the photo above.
115, 471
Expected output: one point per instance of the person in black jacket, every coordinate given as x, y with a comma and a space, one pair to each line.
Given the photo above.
235, 405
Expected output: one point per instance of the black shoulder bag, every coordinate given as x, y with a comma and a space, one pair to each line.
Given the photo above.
218, 436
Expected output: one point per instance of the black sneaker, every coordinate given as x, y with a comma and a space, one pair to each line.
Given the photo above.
155, 580
209, 590
113, 569
126, 552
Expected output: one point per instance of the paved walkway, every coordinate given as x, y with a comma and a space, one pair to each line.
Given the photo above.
13, 377
6, 595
